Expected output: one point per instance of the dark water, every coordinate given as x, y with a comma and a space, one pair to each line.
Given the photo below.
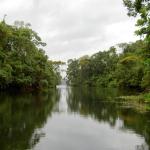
72, 119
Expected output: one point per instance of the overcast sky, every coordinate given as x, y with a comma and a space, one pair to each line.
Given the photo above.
72, 28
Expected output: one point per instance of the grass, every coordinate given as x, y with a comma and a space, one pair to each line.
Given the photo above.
138, 98
146, 97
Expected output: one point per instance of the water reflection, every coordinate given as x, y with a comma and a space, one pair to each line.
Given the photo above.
70, 119
101, 105
21, 117
63, 91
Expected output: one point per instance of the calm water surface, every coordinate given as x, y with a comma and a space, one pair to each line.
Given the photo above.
72, 119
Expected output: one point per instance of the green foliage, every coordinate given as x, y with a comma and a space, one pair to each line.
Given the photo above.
147, 97
142, 9
96, 70
44, 83
73, 72
23, 63
110, 69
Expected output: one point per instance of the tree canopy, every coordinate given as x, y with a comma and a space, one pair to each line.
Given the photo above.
112, 69
140, 8
23, 62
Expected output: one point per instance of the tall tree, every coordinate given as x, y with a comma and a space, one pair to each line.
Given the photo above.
23, 62
140, 8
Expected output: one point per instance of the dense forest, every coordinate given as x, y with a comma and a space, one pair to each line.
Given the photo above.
124, 65
129, 68
23, 62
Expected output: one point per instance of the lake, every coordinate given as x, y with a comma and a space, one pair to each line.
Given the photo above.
72, 118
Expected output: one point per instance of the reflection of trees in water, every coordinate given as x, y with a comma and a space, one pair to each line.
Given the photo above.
100, 105
142, 147
20, 118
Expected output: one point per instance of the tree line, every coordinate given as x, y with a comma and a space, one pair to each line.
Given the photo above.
23, 62
112, 69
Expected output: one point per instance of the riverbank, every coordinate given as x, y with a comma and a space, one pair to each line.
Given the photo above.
141, 101
144, 98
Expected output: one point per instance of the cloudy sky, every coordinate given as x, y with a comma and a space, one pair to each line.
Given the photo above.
72, 28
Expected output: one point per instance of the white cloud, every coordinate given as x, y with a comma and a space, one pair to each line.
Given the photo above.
8, 6
73, 28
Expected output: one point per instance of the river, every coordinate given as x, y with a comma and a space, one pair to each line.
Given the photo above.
70, 118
